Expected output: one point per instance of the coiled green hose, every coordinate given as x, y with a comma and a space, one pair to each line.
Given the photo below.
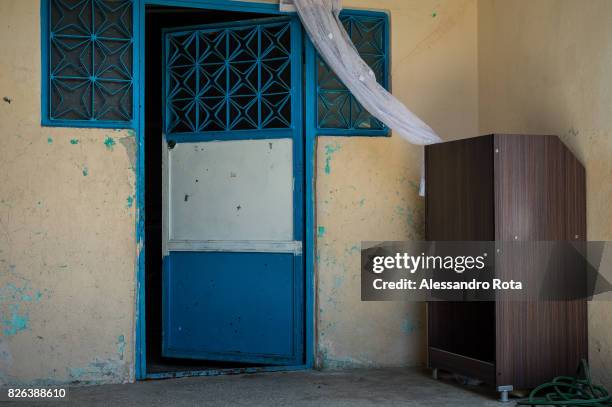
570, 391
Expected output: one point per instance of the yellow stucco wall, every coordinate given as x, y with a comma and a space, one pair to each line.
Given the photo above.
367, 188
67, 247
67, 234
545, 66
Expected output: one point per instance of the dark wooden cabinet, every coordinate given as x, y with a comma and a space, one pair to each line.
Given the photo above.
503, 188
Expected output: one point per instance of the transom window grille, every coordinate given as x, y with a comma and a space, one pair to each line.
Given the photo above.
337, 108
88, 62
229, 78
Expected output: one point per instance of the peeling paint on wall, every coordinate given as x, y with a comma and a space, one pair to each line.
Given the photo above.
67, 242
353, 250
330, 149
328, 358
320, 231
121, 346
15, 304
6, 360
17, 321
130, 148
103, 370
99, 371
109, 142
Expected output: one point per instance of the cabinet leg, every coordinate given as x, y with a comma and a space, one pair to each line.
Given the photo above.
434, 373
503, 393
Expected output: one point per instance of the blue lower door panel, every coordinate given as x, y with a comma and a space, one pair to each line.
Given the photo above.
243, 307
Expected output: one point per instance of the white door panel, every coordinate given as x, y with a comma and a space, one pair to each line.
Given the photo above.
235, 190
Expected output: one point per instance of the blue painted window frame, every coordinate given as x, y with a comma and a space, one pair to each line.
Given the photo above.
46, 120
312, 58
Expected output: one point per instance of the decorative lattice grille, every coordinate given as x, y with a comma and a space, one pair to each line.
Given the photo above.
230, 78
336, 106
90, 60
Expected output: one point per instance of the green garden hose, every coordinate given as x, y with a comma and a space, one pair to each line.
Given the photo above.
570, 391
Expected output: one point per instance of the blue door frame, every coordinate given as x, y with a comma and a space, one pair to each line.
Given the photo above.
309, 167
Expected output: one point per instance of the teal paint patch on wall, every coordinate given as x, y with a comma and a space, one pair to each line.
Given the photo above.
121, 346
330, 149
74, 141
103, 370
321, 231
98, 371
325, 361
130, 201
15, 302
16, 322
109, 142
412, 216
352, 250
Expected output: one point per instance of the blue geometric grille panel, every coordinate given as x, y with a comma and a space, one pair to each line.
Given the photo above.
229, 78
90, 60
337, 108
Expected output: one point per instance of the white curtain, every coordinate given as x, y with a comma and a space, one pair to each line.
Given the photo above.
321, 21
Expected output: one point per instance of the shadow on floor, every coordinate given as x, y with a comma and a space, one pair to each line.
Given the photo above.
355, 388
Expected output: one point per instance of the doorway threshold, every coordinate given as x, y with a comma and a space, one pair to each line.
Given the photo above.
217, 371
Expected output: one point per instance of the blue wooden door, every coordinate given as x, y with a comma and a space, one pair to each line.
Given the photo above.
233, 278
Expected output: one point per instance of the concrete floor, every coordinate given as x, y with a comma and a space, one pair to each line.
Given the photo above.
354, 388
